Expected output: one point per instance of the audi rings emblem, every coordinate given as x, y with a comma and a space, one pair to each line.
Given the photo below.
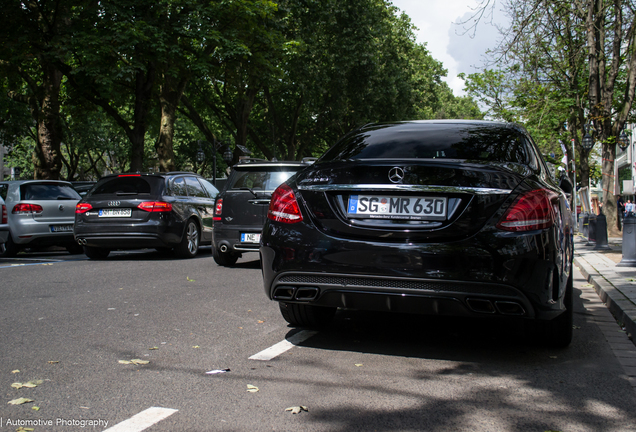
396, 175
113, 203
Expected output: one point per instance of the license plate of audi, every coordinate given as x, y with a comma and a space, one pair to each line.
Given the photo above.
124, 212
397, 207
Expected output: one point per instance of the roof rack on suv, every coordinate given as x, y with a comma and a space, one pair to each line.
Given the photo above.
251, 160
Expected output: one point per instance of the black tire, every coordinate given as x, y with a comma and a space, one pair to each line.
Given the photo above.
9, 248
557, 333
302, 315
96, 253
189, 246
74, 249
225, 259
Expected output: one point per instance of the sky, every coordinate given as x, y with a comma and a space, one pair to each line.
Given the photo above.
446, 40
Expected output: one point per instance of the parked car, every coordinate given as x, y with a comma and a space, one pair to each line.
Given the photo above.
40, 213
4, 225
456, 218
166, 211
82, 187
241, 208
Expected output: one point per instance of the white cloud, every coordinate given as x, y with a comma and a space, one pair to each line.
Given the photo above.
446, 40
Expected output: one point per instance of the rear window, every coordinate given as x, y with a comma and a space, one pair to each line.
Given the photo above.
127, 185
432, 141
45, 192
259, 179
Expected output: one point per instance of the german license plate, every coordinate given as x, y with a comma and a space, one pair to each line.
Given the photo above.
250, 237
123, 212
61, 228
397, 207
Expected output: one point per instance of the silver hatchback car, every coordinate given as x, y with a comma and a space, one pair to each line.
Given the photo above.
40, 213
4, 225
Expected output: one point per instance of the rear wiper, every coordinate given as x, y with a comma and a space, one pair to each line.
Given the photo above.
126, 193
65, 198
253, 193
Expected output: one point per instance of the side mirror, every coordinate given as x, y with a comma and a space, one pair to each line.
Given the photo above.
565, 184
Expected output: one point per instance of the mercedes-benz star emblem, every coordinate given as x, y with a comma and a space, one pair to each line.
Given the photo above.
396, 175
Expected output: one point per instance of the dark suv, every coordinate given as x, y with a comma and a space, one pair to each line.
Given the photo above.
241, 208
131, 211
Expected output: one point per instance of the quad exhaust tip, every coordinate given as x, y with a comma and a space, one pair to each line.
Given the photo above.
501, 307
296, 293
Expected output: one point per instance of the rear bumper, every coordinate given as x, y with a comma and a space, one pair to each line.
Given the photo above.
491, 274
27, 231
125, 240
231, 237
404, 295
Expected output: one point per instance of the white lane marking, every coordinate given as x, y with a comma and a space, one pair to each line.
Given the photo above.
281, 347
143, 420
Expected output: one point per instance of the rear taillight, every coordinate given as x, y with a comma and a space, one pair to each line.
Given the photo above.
22, 208
5, 216
530, 211
218, 210
283, 206
83, 207
155, 206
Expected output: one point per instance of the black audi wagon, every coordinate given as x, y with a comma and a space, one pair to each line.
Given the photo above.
455, 218
167, 211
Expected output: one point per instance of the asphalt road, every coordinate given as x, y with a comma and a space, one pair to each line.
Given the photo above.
69, 321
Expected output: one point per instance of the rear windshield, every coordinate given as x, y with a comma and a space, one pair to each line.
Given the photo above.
44, 192
127, 185
259, 179
432, 141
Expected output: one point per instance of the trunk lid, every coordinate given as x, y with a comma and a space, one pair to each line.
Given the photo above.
406, 200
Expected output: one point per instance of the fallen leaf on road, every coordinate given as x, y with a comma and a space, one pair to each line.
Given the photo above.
588, 286
251, 388
260, 322
53, 361
17, 385
190, 280
35, 408
20, 401
576, 327
23, 429
196, 347
15, 371
153, 348
297, 409
358, 364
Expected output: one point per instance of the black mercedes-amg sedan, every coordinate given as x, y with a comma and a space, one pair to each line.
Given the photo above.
453, 217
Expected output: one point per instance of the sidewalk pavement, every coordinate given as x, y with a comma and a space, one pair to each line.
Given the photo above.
616, 287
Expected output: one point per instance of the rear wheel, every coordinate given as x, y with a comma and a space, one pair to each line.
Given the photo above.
557, 333
225, 259
9, 248
96, 253
301, 315
189, 245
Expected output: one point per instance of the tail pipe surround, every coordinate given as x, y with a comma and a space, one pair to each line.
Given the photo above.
493, 307
301, 294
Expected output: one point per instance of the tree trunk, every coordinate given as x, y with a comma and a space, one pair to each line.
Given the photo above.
143, 93
47, 158
169, 100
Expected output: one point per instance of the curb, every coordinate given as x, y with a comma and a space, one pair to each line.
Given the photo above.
620, 306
